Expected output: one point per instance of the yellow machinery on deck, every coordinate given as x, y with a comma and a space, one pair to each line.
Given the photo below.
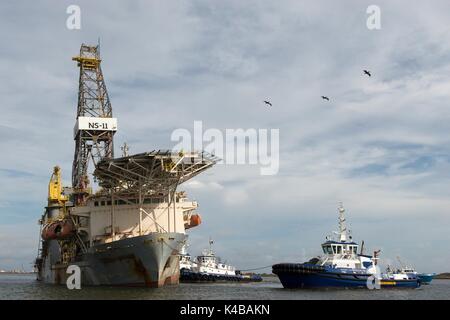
55, 196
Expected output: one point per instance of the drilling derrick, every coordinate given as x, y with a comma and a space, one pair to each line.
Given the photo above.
95, 126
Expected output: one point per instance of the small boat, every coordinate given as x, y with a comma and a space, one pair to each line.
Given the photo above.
425, 278
341, 266
209, 268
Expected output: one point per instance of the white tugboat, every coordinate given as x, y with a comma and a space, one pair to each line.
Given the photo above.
209, 267
209, 263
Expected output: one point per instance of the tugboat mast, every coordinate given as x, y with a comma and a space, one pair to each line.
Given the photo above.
211, 241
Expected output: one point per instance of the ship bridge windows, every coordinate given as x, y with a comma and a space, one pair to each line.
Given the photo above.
337, 249
327, 249
153, 200
131, 201
334, 248
352, 249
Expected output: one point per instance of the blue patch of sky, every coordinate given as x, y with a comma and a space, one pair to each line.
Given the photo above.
148, 82
370, 169
422, 163
11, 173
20, 212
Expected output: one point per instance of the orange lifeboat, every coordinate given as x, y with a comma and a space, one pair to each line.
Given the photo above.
61, 229
194, 221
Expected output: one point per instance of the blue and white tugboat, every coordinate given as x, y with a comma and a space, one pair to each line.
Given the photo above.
340, 266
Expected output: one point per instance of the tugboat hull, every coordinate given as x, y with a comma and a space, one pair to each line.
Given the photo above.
426, 278
194, 277
295, 275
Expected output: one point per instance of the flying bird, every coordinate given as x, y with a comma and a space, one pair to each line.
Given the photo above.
367, 72
325, 98
267, 102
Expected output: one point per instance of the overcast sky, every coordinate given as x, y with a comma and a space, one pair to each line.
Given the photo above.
381, 145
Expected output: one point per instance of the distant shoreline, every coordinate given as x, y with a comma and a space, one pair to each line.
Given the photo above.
10, 272
445, 275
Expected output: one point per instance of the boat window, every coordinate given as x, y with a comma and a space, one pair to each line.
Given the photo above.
96, 203
334, 249
354, 248
339, 249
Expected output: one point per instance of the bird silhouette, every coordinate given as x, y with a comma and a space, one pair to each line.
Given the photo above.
325, 98
267, 102
368, 73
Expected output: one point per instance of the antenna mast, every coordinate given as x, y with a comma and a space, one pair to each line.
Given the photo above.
211, 241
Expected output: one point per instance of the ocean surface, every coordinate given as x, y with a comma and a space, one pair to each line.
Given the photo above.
13, 286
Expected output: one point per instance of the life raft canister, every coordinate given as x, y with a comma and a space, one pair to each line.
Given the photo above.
61, 229
194, 221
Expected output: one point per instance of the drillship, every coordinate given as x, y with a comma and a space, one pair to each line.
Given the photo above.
128, 232
341, 266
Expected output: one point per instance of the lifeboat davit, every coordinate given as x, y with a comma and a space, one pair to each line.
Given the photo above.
61, 229
193, 221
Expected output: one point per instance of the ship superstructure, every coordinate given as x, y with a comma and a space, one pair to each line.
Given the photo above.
130, 230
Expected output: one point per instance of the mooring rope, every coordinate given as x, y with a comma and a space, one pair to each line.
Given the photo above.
259, 268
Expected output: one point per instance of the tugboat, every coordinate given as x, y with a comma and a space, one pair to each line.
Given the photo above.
209, 268
425, 278
340, 266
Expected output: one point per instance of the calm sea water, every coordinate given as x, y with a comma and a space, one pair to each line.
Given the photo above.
25, 287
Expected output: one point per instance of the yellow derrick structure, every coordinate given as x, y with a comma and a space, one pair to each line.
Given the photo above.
91, 63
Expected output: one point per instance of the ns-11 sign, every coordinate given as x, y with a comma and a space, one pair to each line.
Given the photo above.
95, 124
